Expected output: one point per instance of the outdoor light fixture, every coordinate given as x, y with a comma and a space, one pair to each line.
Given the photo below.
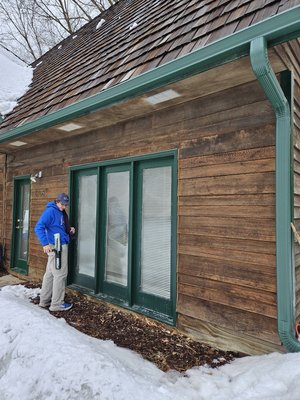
162, 96
17, 143
36, 176
70, 127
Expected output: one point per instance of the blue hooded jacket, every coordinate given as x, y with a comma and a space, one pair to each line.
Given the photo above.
51, 222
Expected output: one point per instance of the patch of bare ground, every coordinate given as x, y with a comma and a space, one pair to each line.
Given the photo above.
3, 272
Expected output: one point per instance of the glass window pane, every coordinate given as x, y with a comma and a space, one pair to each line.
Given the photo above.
24, 221
116, 262
86, 228
156, 231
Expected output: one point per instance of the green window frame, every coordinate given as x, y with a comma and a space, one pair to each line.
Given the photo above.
21, 193
81, 279
125, 284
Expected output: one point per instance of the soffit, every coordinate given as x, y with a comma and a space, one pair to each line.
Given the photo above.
223, 77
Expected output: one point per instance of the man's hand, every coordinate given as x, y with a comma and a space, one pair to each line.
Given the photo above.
47, 248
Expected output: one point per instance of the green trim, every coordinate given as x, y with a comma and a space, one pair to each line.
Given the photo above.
16, 181
284, 244
99, 236
114, 161
110, 288
174, 236
142, 299
132, 202
125, 296
80, 279
71, 186
141, 310
279, 28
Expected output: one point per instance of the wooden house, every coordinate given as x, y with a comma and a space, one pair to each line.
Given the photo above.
176, 120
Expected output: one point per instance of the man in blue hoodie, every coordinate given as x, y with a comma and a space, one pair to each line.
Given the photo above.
54, 221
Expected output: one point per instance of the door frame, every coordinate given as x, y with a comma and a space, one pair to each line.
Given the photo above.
73, 278
140, 298
167, 316
15, 204
111, 288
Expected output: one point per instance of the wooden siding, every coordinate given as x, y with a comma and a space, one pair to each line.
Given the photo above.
227, 236
290, 55
2, 186
226, 227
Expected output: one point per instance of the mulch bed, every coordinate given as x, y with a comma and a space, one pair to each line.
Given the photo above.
156, 342
3, 272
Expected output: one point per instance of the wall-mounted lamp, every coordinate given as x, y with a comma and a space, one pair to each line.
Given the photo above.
36, 176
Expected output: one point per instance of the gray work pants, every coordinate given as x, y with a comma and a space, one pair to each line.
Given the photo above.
54, 281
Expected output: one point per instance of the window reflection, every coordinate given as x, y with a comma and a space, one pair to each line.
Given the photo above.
86, 225
116, 263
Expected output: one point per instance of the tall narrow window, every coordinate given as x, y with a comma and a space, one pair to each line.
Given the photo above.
117, 221
156, 231
86, 226
25, 220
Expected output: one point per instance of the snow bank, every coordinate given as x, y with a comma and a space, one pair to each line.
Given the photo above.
43, 358
15, 78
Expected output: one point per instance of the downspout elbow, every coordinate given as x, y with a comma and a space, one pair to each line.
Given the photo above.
284, 261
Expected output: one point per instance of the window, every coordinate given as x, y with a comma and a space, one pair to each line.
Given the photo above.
117, 223
125, 215
86, 220
155, 257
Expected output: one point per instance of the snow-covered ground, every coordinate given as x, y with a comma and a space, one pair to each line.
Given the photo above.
15, 77
43, 358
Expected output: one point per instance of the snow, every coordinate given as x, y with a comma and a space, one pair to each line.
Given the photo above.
15, 77
43, 358
100, 23
133, 26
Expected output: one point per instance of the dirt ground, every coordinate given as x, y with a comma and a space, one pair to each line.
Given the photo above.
154, 341
2, 271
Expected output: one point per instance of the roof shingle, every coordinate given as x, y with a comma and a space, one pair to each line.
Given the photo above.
96, 59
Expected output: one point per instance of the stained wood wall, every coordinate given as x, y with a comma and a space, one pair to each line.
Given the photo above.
226, 226
2, 185
290, 55
226, 249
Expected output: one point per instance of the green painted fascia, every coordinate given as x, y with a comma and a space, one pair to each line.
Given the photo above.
284, 244
276, 29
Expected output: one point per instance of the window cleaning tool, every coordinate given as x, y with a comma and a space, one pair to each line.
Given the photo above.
57, 251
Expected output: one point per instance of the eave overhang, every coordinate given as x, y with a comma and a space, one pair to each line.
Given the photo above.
277, 29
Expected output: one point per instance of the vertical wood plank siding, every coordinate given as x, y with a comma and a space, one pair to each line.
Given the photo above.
226, 206
290, 55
